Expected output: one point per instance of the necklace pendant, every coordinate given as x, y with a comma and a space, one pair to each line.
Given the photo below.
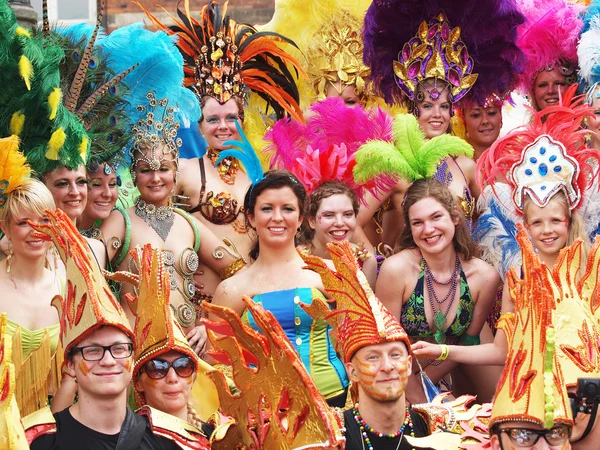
160, 219
439, 321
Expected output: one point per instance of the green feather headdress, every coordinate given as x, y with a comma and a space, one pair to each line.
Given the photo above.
30, 99
409, 155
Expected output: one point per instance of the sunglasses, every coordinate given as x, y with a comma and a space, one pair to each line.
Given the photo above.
526, 437
158, 368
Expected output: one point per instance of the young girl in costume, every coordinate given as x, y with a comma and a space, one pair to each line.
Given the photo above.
547, 168
227, 65
274, 208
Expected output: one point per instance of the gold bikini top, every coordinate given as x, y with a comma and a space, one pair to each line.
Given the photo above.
219, 209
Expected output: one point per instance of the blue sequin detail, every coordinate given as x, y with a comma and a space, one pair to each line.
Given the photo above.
533, 160
543, 169
553, 158
543, 151
528, 172
543, 188
557, 169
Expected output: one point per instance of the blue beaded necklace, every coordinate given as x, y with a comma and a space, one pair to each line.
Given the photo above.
366, 428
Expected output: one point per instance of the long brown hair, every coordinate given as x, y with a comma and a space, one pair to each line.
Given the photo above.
463, 242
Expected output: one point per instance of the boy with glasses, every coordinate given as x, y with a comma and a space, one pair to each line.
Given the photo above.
98, 344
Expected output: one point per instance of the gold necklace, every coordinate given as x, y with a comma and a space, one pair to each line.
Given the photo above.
227, 168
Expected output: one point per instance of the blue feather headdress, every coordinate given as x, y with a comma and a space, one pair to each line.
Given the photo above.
160, 72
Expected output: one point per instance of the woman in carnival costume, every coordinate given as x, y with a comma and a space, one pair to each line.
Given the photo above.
158, 102
498, 63
548, 38
330, 48
53, 139
102, 95
226, 65
547, 168
162, 345
418, 57
274, 207
436, 245
321, 154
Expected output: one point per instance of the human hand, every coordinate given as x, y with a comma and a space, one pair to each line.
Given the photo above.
426, 350
198, 339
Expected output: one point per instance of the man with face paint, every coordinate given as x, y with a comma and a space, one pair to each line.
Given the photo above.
98, 345
376, 353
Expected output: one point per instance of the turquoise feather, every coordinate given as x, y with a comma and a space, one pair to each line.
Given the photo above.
245, 153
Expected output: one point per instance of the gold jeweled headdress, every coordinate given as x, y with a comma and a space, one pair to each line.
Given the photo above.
339, 57
223, 58
359, 318
435, 52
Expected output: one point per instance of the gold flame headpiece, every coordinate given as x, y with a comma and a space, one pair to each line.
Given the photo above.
532, 387
89, 302
278, 404
359, 318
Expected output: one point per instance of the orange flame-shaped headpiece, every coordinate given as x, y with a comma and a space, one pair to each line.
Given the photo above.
359, 318
89, 303
532, 386
278, 404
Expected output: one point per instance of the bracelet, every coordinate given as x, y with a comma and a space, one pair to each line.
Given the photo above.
445, 353
232, 268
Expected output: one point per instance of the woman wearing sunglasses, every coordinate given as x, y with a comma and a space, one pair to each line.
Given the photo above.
165, 366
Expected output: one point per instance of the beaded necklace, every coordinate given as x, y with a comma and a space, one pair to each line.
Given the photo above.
366, 428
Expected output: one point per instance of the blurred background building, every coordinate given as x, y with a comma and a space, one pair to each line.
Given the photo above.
123, 12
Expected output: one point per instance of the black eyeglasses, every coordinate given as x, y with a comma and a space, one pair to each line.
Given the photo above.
526, 437
96, 352
158, 368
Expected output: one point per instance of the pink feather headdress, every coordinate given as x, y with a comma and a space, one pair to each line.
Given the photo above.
549, 38
546, 156
324, 148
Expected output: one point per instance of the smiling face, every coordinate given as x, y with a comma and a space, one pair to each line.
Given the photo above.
276, 217
335, 219
169, 394
102, 193
547, 226
218, 122
69, 189
546, 88
381, 371
434, 115
431, 225
348, 93
108, 377
155, 175
20, 234
483, 125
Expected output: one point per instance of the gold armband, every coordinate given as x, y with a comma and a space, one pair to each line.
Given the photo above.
232, 268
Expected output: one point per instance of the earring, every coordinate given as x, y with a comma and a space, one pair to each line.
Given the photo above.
9, 257
298, 233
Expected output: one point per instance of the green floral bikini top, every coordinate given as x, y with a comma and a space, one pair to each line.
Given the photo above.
414, 320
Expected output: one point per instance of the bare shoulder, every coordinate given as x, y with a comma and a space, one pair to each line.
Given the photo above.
99, 251
406, 260
466, 163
